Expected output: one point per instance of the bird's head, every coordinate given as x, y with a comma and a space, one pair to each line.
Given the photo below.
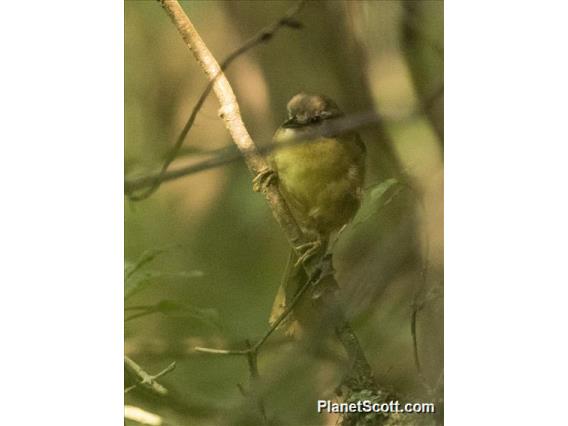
305, 109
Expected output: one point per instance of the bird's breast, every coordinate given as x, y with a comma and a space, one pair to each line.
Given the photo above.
321, 181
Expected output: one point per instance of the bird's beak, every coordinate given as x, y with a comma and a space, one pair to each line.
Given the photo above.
291, 123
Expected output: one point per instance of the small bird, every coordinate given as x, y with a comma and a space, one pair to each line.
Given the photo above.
321, 177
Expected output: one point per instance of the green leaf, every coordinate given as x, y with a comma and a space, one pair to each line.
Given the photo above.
149, 255
176, 309
378, 196
377, 192
139, 281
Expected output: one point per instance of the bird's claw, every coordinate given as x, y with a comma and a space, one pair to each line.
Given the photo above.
263, 179
308, 250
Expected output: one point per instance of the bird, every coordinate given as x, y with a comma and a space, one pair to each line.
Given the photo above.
320, 172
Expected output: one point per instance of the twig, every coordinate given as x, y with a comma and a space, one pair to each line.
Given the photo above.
215, 351
262, 36
145, 378
417, 306
140, 416
227, 155
273, 327
222, 157
254, 376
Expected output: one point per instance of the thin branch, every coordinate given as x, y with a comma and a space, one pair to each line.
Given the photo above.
273, 327
262, 36
254, 377
139, 315
415, 308
215, 351
231, 116
146, 379
284, 314
227, 155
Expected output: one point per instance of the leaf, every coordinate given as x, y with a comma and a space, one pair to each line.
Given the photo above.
139, 281
378, 191
378, 196
146, 257
176, 309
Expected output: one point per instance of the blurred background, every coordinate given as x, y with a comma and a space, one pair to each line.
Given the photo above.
204, 256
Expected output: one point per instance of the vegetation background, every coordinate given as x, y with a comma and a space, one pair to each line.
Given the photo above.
214, 253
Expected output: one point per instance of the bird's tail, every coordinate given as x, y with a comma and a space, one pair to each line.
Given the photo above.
304, 316
292, 281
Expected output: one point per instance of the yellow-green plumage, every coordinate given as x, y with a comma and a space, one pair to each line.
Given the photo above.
321, 178
321, 181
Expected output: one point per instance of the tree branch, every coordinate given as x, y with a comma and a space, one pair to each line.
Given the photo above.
254, 378
230, 113
290, 306
227, 155
261, 37
145, 378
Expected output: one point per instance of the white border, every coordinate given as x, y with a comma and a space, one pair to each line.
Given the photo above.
61, 168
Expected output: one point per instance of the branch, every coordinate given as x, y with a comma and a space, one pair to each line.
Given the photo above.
140, 416
224, 156
261, 37
145, 378
227, 155
231, 116
254, 378
230, 154
289, 308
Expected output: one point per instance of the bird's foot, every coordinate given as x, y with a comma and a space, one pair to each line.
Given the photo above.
263, 179
308, 250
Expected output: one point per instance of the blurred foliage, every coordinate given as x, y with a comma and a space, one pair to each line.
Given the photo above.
136, 278
223, 235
